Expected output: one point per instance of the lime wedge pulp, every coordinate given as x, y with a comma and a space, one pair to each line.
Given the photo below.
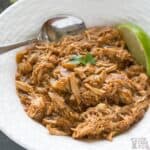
138, 43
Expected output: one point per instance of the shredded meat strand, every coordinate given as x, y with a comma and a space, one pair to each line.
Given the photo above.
75, 88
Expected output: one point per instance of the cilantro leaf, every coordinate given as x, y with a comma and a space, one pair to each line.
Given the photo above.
76, 59
90, 59
79, 59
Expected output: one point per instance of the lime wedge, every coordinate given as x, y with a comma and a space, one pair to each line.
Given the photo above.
138, 43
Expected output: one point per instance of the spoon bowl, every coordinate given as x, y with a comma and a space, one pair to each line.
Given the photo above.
53, 30
57, 27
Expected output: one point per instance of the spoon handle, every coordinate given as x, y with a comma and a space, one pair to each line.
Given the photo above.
4, 49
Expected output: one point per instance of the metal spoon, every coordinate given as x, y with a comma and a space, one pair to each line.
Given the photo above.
52, 30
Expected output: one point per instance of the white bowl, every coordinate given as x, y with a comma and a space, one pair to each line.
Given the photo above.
23, 21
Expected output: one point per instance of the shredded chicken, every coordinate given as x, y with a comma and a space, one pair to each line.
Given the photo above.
104, 121
83, 100
75, 88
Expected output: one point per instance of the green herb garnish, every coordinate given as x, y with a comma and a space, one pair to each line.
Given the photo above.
79, 59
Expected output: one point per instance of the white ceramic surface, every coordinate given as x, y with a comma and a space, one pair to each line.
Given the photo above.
23, 21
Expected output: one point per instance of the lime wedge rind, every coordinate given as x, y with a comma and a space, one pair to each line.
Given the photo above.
138, 42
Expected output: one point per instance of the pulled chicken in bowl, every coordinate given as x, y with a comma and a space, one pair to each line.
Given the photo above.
85, 86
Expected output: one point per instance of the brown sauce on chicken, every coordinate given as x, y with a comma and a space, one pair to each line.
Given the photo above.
92, 99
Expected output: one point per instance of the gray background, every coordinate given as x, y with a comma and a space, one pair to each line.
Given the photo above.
5, 142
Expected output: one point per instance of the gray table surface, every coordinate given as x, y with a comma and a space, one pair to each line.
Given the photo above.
5, 142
